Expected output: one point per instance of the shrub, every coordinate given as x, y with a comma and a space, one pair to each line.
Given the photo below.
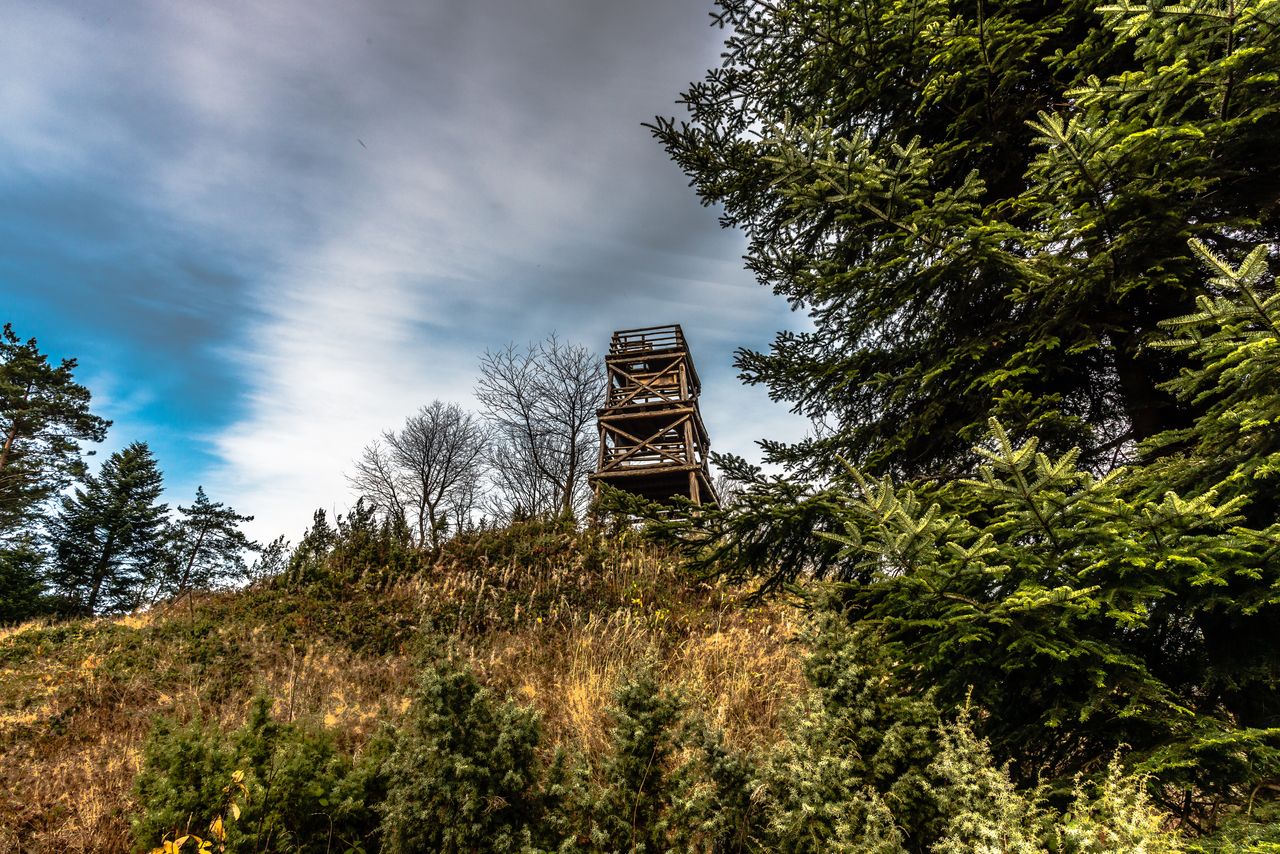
633, 807
859, 742
268, 786
359, 549
465, 774
984, 811
1116, 815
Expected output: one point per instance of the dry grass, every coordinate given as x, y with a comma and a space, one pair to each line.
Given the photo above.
737, 675
74, 715
556, 619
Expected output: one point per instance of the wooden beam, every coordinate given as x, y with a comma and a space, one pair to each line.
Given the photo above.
640, 385
642, 444
651, 433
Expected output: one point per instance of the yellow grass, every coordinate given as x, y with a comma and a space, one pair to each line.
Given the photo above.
560, 633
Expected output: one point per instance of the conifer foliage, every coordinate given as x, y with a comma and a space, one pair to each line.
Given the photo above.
1235, 340
107, 537
1083, 612
995, 214
44, 416
266, 787
465, 774
205, 547
984, 206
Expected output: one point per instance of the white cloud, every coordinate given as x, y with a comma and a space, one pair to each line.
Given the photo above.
409, 183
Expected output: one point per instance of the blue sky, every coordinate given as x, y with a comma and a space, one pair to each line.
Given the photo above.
270, 230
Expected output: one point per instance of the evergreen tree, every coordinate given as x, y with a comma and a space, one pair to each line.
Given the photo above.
861, 742
1232, 452
44, 415
984, 206
108, 537
1083, 612
1234, 340
465, 774
266, 787
21, 590
206, 547
1079, 619
271, 562
634, 809
306, 563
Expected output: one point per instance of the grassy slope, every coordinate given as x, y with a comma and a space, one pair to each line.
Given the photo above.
555, 619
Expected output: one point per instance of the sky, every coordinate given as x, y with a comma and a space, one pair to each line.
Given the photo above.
269, 231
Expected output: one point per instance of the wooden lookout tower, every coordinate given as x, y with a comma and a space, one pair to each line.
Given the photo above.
652, 439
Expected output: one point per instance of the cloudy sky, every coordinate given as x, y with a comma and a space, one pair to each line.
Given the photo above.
269, 230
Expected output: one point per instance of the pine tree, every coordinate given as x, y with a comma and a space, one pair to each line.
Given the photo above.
44, 415
1234, 340
21, 589
306, 563
108, 537
984, 206
205, 547
1233, 452
1083, 612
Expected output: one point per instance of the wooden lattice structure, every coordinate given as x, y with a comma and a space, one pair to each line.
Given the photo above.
652, 439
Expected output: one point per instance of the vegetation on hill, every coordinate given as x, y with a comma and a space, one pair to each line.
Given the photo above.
1020, 594
555, 618
534, 688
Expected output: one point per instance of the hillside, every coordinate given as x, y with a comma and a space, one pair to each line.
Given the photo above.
534, 688
553, 617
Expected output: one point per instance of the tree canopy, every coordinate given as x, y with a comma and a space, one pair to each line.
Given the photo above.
1047, 445
44, 415
427, 474
205, 547
983, 206
109, 534
541, 405
1081, 612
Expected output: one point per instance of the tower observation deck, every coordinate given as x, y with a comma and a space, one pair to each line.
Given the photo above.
652, 439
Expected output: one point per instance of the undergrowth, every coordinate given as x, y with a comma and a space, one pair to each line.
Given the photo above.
554, 617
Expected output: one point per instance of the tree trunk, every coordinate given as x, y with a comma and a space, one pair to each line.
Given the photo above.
186, 571
569, 480
100, 573
13, 433
1144, 404
8, 443
1141, 368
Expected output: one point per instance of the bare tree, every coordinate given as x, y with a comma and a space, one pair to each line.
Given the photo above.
428, 472
727, 490
541, 402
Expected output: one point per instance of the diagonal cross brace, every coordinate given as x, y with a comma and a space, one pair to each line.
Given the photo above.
643, 444
640, 385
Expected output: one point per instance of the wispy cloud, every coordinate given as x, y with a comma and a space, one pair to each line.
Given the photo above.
333, 209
